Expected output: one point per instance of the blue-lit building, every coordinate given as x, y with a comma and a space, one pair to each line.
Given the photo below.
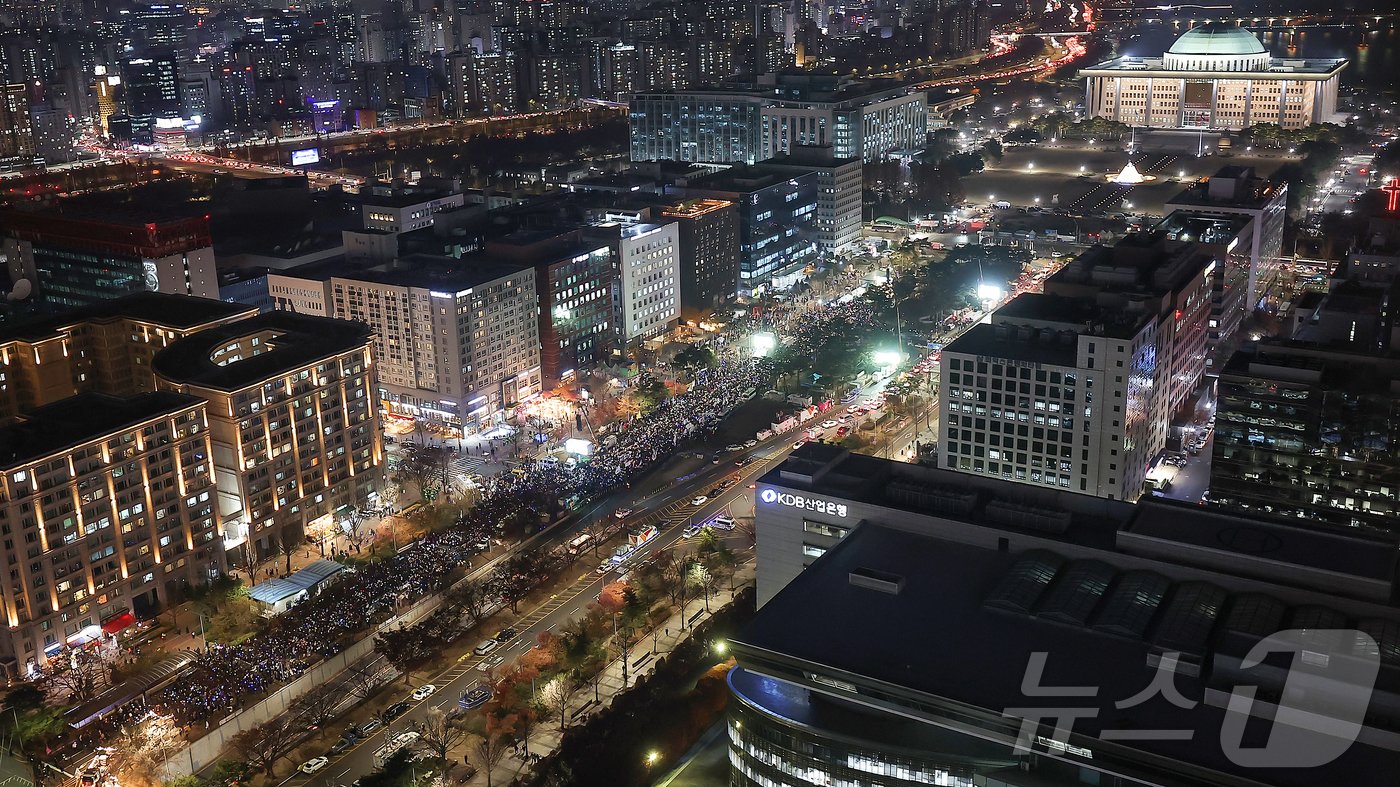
777, 222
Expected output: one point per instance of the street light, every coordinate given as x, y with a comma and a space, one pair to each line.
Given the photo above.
720, 647
653, 757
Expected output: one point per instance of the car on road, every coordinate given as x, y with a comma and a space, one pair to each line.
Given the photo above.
604, 567
723, 522
423, 692
483, 545
394, 711
732, 447
489, 663
743, 461
750, 443
474, 697
798, 444
314, 764
506, 634
340, 747
622, 513
486, 647
691, 532
828, 423
370, 727
699, 500
716, 492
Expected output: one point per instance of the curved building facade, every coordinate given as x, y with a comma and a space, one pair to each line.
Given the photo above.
1217, 77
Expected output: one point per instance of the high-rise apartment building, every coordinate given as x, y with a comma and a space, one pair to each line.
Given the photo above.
709, 253
457, 342
774, 113
82, 252
293, 423
1076, 387
17, 147
1305, 431
482, 83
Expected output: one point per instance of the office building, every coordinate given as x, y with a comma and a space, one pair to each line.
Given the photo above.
83, 251
388, 209
772, 114
574, 283
456, 342
17, 148
709, 253
967, 631
1076, 387
840, 189
1237, 191
151, 91
647, 256
1305, 430
292, 421
1216, 76
777, 223
1229, 239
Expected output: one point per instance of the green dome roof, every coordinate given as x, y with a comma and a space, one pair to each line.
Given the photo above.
1217, 39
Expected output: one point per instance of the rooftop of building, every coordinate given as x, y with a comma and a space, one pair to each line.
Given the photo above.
823, 156
802, 86
1193, 227
82, 419
1139, 264
1354, 369
135, 207
423, 271
695, 208
951, 628
741, 179
995, 342
173, 311
1075, 315
1280, 68
1233, 187
288, 341
398, 195
1169, 531
1217, 38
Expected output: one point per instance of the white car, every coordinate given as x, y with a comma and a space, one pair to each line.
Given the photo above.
490, 663
315, 764
699, 500
423, 692
828, 423
691, 532
486, 647
622, 513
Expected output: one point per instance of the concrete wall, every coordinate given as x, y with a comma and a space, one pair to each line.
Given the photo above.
205, 751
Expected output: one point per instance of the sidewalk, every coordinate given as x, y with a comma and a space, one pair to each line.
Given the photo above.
642, 658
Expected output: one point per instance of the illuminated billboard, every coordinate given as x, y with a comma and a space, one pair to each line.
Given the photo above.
301, 158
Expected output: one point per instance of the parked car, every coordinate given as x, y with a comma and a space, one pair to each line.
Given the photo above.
314, 764
394, 711
691, 531
699, 500
486, 647
750, 443
370, 727
423, 692
339, 747
724, 522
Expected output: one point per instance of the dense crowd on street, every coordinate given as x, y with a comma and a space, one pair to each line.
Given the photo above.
227, 676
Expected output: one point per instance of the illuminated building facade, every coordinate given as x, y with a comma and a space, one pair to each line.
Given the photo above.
293, 423
1218, 77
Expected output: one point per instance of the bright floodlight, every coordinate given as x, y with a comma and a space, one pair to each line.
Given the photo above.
578, 446
887, 358
989, 292
762, 343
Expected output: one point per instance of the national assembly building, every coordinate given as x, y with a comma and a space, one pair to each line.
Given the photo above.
1215, 76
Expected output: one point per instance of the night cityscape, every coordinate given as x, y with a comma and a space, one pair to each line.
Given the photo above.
751, 393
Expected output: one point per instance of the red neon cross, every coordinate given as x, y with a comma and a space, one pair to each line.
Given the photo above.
1392, 194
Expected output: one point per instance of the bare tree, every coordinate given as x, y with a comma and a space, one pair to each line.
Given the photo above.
358, 534
558, 692
263, 746
438, 734
488, 751
316, 707
362, 680
139, 751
